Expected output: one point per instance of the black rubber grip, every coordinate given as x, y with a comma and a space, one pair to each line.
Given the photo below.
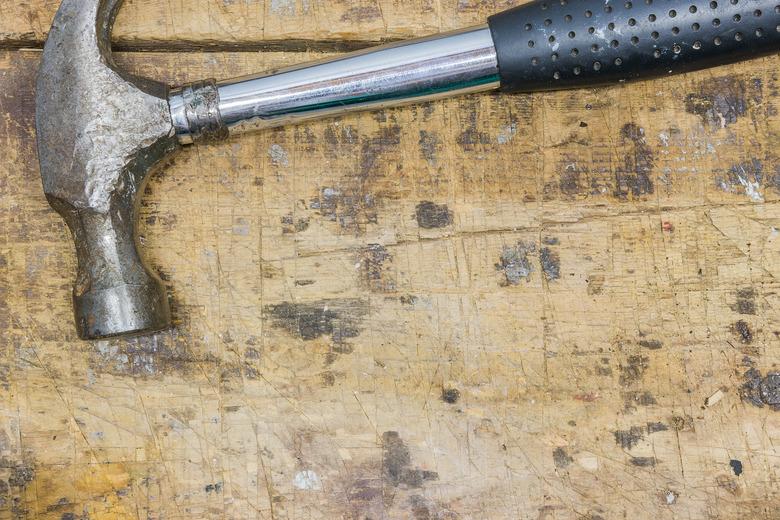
557, 44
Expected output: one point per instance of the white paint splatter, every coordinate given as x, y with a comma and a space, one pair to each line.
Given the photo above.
752, 188
664, 139
307, 480
279, 155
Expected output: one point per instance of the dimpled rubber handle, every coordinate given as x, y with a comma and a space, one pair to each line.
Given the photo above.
557, 44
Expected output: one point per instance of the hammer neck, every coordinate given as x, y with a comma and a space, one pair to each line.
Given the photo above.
401, 73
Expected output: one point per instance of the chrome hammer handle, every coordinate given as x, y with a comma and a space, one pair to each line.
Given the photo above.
543, 45
411, 71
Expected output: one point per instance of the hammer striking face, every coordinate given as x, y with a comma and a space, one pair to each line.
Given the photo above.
101, 131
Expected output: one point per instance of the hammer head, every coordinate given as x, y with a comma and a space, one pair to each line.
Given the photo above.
100, 133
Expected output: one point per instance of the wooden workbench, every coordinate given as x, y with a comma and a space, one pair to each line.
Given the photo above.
555, 306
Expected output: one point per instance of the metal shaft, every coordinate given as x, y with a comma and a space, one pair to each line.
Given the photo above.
406, 72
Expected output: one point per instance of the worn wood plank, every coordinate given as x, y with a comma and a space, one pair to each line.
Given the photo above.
553, 306
265, 24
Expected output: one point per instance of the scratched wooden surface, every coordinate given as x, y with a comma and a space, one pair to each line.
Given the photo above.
555, 306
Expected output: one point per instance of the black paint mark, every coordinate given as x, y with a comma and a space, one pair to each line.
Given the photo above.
450, 395
290, 225
515, 263
370, 149
643, 462
338, 318
760, 391
634, 399
742, 331
736, 465
651, 344
561, 458
21, 476
634, 176
746, 302
375, 270
396, 463
432, 216
634, 369
429, 146
719, 102
573, 177
655, 427
551, 264
472, 136
350, 206
213, 488
627, 439
352, 202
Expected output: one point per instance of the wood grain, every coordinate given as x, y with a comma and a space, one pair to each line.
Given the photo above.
258, 24
552, 306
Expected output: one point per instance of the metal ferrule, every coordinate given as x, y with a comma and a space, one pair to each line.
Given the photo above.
400, 73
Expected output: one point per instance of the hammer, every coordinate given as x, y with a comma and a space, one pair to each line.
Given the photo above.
101, 130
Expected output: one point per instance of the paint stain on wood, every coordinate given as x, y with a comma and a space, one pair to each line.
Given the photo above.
430, 215
633, 369
515, 263
719, 101
761, 391
745, 301
634, 177
338, 319
551, 264
742, 332
397, 463
561, 458
375, 268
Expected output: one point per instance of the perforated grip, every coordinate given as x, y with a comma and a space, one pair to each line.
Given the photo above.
557, 44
